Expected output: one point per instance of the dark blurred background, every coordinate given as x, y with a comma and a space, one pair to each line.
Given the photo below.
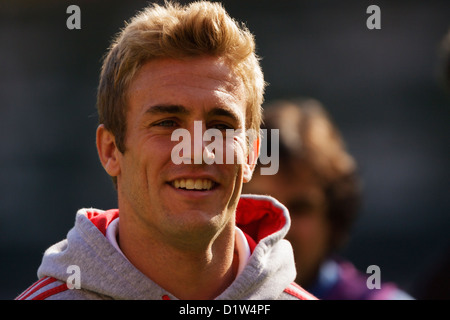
382, 87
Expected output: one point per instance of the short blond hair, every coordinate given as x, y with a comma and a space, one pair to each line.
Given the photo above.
175, 31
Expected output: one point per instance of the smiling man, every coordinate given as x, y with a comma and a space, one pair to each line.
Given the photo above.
181, 230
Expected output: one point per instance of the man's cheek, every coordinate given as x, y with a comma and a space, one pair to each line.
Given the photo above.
236, 150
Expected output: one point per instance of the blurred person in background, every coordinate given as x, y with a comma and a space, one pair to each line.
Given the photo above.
434, 284
319, 184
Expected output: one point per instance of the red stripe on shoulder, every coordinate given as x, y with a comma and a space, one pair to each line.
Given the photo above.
35, 287
25, 292
298, 292
40, 284
44, 295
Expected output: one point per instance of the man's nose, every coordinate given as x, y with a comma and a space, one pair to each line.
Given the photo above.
198, 144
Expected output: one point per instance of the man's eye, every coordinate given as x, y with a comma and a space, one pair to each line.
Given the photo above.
221, 126
166, 123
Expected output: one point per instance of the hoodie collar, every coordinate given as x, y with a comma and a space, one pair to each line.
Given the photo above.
104, 270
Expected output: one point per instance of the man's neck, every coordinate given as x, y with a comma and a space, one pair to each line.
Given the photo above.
200, 273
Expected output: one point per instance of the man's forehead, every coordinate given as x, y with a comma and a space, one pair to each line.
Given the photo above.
215, 69
163, 79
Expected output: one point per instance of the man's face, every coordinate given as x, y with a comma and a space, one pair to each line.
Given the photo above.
172, 199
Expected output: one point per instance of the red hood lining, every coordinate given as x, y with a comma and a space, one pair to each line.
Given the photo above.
259, 218
102, 219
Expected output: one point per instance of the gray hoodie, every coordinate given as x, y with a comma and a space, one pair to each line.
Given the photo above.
104, 273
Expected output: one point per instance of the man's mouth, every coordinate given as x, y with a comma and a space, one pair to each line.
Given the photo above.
193, 184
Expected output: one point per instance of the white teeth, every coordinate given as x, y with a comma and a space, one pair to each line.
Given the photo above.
207, 184
198, 185
190, 184
193, 184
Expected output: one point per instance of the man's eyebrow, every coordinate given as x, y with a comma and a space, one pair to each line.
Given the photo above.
158, 109
227, 112
179, 109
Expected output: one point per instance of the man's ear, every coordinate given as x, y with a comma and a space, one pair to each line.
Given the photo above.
107, 151
252, 158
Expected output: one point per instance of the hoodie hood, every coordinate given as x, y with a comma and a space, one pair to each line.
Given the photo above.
107, 274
